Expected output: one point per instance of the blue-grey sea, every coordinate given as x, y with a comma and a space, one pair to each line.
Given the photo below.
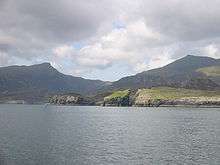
70, 135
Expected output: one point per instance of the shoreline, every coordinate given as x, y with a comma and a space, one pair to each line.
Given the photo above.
135, 106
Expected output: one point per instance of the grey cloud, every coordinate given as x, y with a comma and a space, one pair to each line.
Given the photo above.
35, 27
4, 47
184, 20
194, 48
60, 21
31, 29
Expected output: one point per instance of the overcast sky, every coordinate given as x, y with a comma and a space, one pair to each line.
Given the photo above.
107, 39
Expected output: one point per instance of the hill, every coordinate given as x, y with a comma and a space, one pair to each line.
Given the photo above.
182, 73
34, 83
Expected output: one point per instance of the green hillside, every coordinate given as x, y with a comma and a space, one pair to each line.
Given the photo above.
175, 93
157, 96
176, 96
118, 94
118, 98
210, 71
182, 73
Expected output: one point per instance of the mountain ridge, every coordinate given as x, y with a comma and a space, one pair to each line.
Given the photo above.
41, 80
172, 74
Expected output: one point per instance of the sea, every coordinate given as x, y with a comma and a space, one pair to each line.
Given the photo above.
83, 135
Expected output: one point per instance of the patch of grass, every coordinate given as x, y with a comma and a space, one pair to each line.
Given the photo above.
212, 71
118, 94
175, 93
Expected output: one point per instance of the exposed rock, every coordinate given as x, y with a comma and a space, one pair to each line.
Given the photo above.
70, 100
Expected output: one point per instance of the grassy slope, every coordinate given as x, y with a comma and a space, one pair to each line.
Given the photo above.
175, 93
118, 94
210, 71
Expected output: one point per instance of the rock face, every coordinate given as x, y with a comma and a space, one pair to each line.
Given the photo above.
70, 100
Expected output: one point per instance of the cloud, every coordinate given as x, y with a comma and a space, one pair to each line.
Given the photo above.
135, 46
64, 51
35, 27
64, 20
212, 50
183, 20
4, 59
83, 37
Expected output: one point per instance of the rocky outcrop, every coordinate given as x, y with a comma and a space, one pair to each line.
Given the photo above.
70, 100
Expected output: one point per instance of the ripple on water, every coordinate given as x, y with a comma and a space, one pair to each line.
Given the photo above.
97, 135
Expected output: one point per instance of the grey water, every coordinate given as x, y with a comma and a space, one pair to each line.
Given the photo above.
58, 135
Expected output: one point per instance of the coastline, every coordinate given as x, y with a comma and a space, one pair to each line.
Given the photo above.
112, 106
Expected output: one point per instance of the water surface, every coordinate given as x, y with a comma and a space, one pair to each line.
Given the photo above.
55, 135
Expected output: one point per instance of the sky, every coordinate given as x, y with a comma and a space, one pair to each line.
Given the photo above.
107, 39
